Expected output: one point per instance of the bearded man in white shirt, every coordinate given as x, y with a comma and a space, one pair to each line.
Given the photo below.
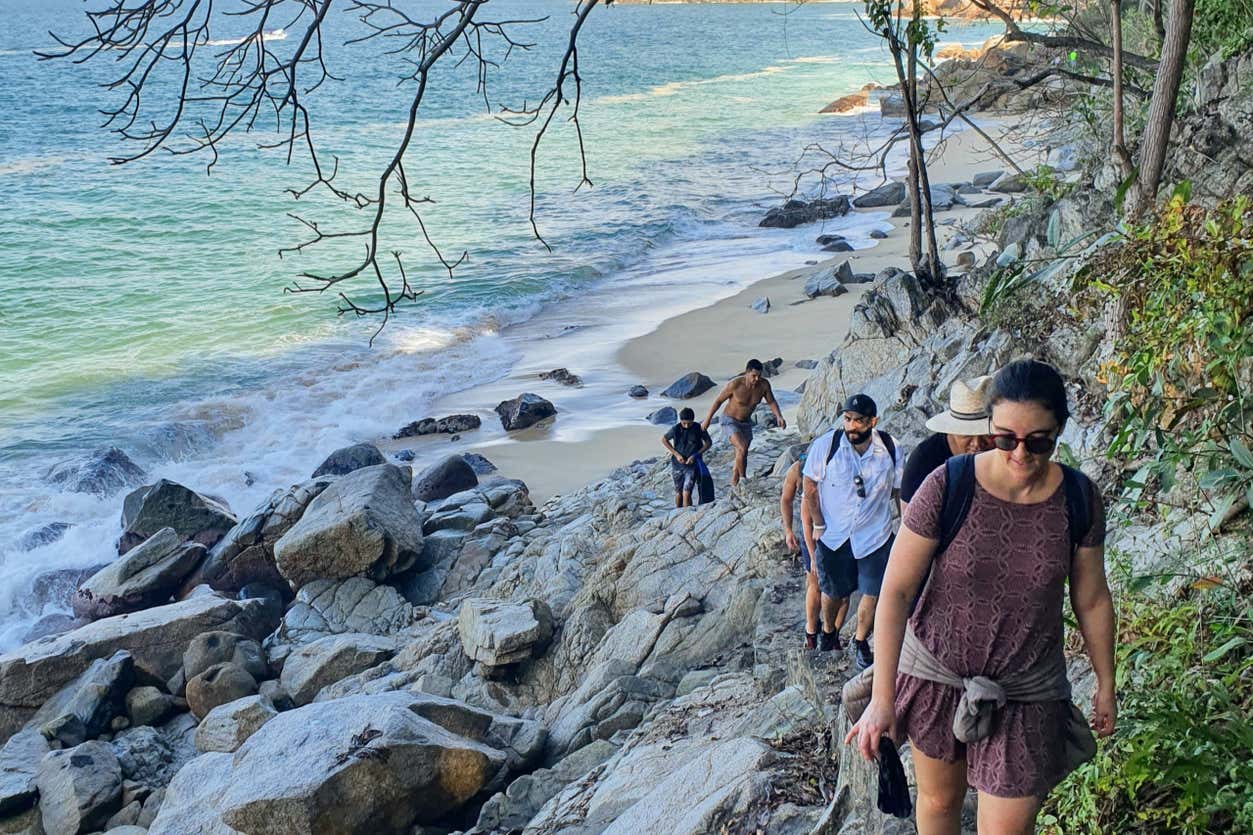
852, 480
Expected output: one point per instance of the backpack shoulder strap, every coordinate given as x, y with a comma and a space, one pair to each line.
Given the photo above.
1078, 489
835, 444
889, 444
959, 492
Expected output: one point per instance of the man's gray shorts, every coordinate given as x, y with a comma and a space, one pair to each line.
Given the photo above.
740, 427
840, 574
684, 475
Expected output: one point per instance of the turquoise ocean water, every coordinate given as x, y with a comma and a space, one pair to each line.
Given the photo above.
142, 306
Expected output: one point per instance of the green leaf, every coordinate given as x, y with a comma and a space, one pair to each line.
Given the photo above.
1121, 193
1214, 655
1241, 453
1220, 510
1183, 191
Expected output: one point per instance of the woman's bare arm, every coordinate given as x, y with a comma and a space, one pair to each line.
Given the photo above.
1094, 609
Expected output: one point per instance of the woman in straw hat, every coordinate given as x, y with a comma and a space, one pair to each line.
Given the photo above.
961, 428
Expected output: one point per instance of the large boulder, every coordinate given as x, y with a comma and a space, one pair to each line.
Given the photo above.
451, 425
327, 660
888, 194
524, 411
441, 480
362, 524
19, 764
156, 638
357, 764
228, 726
796, 212
85, 707
348, 459
103, 473
144, 576
80, 788
168, 504
665, 416
692, 384
150, 757
829, 282
499, 632
246, 554
218, 685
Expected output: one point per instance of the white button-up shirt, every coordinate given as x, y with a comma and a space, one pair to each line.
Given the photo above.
865, 523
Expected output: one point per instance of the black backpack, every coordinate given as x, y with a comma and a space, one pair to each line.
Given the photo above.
887, 442
959, 493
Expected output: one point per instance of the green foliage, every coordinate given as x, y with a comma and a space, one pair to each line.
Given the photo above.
1047, 181
1180, 376
1222, 27
918, 31
1182, 758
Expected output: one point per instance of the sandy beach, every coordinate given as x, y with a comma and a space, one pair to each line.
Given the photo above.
716, 339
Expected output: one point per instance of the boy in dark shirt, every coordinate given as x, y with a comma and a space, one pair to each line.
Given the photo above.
685, 442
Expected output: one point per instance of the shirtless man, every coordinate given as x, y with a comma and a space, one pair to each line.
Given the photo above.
742, 396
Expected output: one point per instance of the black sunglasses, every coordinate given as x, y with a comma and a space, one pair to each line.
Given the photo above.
860, 485
1036, 445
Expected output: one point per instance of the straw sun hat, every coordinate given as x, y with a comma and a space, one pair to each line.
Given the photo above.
967, 412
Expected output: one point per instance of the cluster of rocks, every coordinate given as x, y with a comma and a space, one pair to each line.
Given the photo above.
797, 212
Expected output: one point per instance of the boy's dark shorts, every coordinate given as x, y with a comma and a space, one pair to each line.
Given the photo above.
685, 476
840, 574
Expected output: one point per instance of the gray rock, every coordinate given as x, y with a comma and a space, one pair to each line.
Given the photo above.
168, 504
327, 660
150, 757
943, 197
441, 480
878, 234
42, 535
85, 708
478, 463
144, 576
1008, 256
562, 376
326, 607
692, 384
761, 305
524, 411
986, 178
902, 210
838, 246
450, 425
19, 763
218, 685
888, 194
103, 473
665, 416
246, 554
367, 763
362, 524
274, 693
124, 821
637, 392
497, 632
966, 260
829, 282
1008, 184
228, 726
148, 705
80, 788
349, 458
796, 212
211, 648
807, 364
511, 809
609, 698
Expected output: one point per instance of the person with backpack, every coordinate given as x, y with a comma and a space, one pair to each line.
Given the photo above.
686, 441
852, 476
959, 429
975, 677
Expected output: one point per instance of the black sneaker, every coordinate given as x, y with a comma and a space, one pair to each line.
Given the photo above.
811, 640
862, 656
829, 641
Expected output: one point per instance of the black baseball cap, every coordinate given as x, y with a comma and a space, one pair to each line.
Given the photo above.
862, 405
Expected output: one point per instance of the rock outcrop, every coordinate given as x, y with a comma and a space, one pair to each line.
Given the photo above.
144, 576
168, 504
692, 384
349, 459
524, 411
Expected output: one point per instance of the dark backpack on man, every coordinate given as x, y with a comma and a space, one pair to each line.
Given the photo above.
887, 442
959, 494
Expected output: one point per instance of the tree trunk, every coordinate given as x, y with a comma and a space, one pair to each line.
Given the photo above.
1161, 116
1119, 139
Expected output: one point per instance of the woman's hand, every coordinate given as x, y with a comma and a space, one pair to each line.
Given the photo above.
1104, 711
878, 720
792, 545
